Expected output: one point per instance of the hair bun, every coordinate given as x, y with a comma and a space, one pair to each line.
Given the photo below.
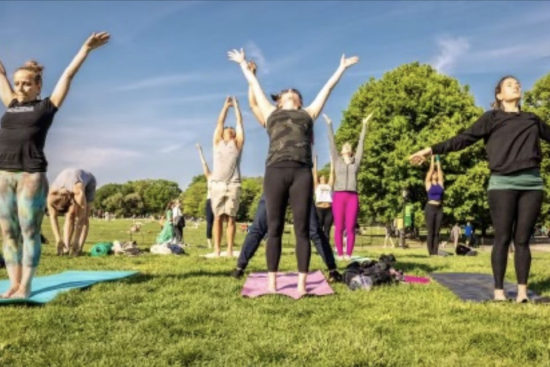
33, 65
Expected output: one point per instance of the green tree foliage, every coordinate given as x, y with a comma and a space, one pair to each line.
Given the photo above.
414, 106
194, 198
136, 197
537, 100
251, 189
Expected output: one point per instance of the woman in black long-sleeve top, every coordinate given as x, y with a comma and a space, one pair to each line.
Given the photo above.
512, 141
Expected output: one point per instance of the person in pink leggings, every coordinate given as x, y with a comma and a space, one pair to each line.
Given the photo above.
345, 201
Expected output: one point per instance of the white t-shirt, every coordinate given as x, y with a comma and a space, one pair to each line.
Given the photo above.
323, 194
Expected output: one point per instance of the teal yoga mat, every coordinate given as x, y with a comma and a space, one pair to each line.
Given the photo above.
46, 288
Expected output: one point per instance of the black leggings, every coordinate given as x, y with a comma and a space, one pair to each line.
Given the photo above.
434, 215
325, 219
514, 214
209, 219
283, 185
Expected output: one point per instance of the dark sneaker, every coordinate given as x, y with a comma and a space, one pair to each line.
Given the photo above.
335, 277
237, 273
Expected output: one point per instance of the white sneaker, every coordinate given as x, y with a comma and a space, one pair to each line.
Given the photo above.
347, 257
339, 258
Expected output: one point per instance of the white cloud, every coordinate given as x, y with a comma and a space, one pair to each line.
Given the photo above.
92, 157
255, 53
450, 51
170, 148
159, 81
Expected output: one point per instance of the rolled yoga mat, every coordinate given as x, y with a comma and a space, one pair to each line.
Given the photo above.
46, 288
101, 249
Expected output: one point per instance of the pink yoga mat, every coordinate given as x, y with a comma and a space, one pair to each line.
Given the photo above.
415, 279
256, 285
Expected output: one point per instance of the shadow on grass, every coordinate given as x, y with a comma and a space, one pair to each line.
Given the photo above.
199, 273
411, 267
540, 286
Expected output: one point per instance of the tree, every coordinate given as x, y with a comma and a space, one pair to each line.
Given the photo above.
537, 100
194, 197
251, 189
414, 106
157, 195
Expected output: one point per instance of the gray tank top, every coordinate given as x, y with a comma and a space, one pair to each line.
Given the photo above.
227, 159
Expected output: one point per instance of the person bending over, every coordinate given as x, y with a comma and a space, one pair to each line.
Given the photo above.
71, 193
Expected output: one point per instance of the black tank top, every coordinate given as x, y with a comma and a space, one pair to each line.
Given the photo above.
290, 137
23, 131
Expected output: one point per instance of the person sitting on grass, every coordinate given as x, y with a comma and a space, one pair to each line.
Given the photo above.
166, 235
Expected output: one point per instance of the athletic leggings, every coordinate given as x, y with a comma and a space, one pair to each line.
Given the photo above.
209, 219
514, 214
434, 215
283, 185
325, 219
22, 205
345, 206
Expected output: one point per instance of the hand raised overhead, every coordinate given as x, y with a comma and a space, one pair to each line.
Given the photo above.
237, 56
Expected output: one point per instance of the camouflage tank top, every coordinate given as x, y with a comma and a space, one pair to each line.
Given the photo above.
290, 137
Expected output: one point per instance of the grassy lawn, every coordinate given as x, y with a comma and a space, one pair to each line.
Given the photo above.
187, 311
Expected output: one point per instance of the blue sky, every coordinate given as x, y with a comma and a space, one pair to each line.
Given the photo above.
138, 105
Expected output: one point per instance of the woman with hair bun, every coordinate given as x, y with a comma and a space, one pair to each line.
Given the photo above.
23, 182
288, 176
512, 141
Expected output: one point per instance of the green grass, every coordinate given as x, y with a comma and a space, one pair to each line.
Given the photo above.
185, 310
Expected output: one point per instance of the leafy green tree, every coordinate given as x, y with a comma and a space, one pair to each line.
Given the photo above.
194, 197
537, 100
414, 106
157, 195
251, 188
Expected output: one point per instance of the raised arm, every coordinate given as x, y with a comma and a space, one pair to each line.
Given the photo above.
332, 145
239, 130
205, 168
6, 91
359, 150
218, 132
439, 170
315, 108
265, 107
251, 99
314, 172
428, 179
62, 87
331, 177
480, 129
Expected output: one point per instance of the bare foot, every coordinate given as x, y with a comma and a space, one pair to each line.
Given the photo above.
21, 293
9, 292
301, 291
499, 295
522, 294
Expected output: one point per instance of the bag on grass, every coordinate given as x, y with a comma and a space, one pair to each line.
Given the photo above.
367, 274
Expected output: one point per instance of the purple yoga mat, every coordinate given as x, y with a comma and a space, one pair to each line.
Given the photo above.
256, 285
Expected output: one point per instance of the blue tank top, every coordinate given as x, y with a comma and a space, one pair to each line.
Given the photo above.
435, 192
